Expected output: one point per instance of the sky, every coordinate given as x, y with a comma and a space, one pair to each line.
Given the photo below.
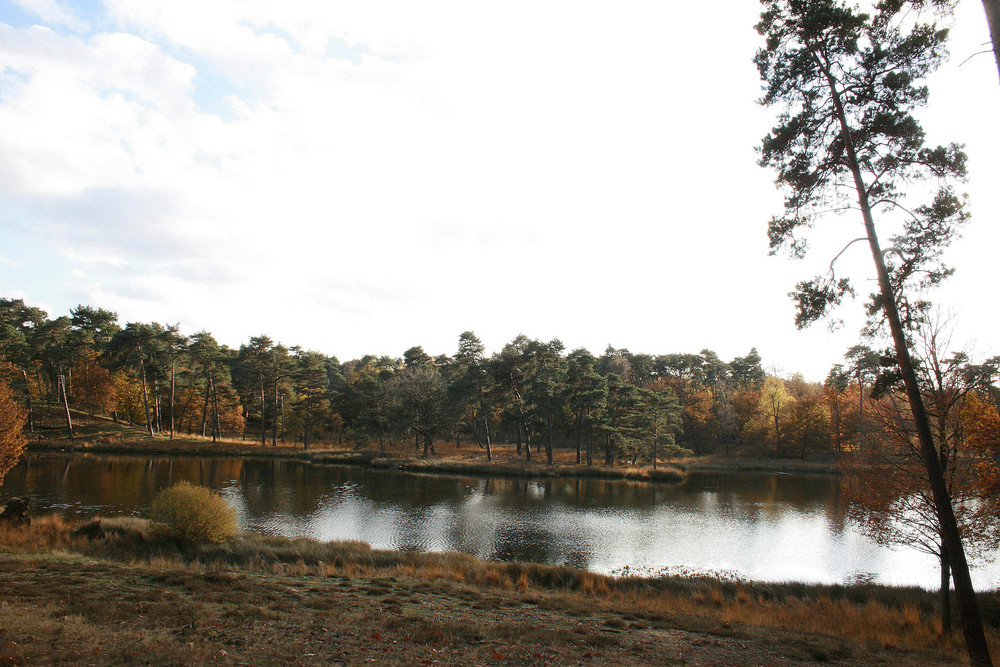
359, 178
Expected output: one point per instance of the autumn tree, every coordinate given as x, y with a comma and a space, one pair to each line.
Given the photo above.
92, 387
890, 495
847, 85
834, 388
12, 440
19, 325
134, 347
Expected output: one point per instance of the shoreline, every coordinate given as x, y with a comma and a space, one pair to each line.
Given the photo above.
458, 462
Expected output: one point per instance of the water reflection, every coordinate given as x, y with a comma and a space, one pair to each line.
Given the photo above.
760, 526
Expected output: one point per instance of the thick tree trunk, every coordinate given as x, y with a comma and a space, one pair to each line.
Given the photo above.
992, 8
951, 539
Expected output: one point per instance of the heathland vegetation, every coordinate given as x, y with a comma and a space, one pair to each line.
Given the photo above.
113, 591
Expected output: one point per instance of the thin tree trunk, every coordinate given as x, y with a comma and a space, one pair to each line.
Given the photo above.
156, 405
579, 430
972, 624
656, 428
548, 436
861, 414
274, 421
204, 412
173, 388
216, 426
945, 594
145, 395
263, 421
65, 402
590, 445
527, 445
486, 429
27, 393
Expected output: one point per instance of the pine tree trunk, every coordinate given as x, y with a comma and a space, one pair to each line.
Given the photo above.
656, 428
27, 393
274, 413
204, 412
65, 402
173, 389
263, 421
992, 8
486, 429
216, 424
590, 445
548, 436
145, 395
156, 405
579, 429
945, 593
972, 624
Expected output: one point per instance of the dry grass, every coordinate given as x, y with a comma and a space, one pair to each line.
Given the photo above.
888, 616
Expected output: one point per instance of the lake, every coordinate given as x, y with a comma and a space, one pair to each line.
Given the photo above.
767, 527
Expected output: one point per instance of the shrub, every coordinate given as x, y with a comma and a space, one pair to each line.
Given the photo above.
193, 513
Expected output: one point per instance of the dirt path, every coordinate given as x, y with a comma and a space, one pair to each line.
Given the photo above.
64, 609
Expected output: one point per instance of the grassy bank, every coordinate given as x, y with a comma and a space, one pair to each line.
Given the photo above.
109, 592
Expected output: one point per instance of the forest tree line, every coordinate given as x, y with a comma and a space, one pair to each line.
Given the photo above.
619, 406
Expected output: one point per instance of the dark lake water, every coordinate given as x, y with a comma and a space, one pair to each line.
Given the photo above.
769, 527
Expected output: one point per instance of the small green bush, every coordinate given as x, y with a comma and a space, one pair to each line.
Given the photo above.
193, 514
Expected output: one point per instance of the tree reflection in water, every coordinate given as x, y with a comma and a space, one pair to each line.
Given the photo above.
759, 526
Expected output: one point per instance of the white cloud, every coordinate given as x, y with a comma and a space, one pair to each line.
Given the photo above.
342, 176
52, 12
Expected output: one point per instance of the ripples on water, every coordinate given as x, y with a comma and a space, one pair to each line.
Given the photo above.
754, 526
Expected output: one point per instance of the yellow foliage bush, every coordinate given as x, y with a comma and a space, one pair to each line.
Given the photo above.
193, 513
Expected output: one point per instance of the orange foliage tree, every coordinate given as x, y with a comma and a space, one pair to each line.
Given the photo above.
982, 432
12, 440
